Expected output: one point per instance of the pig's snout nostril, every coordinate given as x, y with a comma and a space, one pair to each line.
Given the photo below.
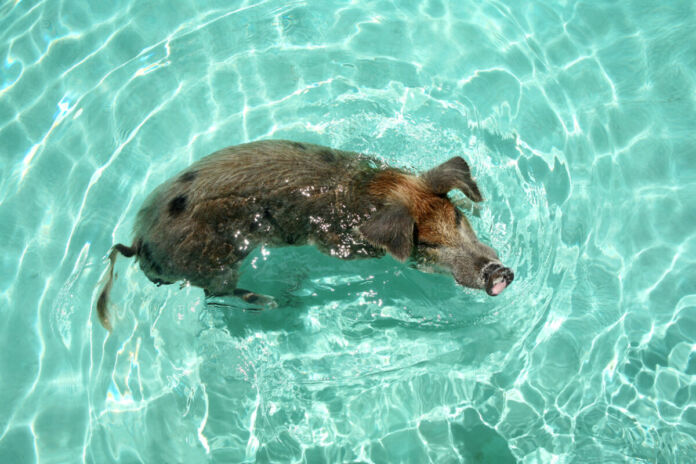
497, 278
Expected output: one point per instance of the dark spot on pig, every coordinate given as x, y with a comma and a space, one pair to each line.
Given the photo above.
299, 145
188, 176
457, 216
327, 156
177, 205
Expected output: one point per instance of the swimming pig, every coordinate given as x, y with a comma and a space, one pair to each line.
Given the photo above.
199, 225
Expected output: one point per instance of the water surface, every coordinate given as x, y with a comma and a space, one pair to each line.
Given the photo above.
578, 122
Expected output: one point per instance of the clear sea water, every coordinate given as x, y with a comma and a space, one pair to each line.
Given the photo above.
579, 122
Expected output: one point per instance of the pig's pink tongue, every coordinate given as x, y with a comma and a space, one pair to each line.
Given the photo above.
499, 287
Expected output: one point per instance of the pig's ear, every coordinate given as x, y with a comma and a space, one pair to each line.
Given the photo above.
391, 227
450, 175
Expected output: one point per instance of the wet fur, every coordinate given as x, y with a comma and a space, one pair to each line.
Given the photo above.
201, 224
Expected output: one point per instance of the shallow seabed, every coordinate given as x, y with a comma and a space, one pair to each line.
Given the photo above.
578, 119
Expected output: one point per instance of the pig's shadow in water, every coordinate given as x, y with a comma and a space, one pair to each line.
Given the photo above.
240, 318
297, 286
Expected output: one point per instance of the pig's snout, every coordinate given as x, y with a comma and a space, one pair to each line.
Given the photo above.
497, 278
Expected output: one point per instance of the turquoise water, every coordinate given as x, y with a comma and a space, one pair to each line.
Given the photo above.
578, 119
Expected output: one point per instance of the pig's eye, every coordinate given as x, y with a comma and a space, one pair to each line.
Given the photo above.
457, 216
427, 244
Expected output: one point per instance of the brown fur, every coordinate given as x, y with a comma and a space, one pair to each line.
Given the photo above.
434, 215
202, 223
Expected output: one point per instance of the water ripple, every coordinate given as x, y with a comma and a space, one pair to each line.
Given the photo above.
577, 121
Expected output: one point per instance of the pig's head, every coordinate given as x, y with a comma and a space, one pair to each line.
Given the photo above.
419, 221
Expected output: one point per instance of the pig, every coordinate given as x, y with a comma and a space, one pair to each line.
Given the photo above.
199, 226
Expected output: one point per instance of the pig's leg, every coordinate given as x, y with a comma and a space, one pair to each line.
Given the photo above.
226, 286
265, 301
256, 301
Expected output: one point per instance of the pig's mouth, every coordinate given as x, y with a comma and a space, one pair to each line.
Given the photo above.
497, 279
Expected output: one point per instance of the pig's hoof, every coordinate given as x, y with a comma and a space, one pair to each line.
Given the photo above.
264, 301
240, 299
